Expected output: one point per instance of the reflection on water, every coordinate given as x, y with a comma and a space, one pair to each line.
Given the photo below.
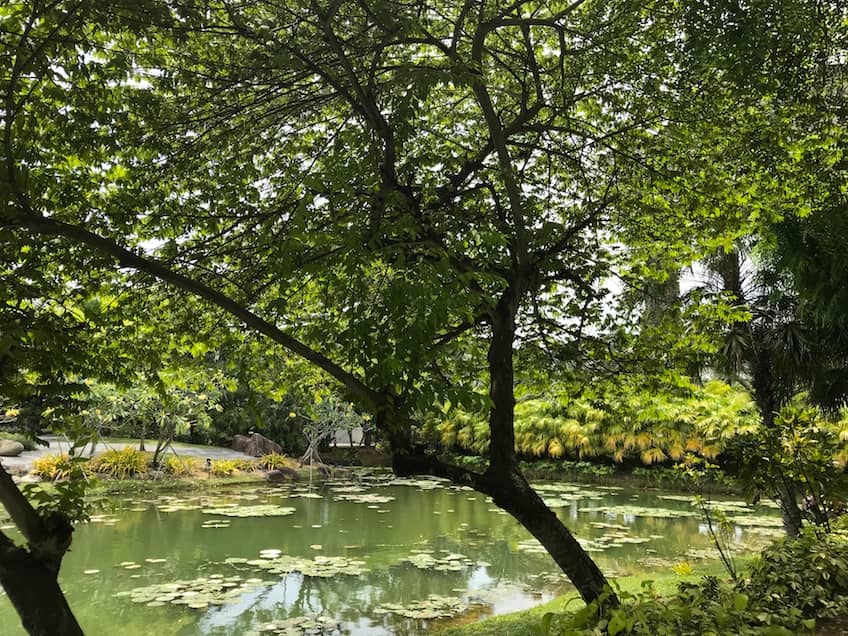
427, 548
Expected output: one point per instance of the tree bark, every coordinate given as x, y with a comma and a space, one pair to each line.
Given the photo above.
34, 591
514, 494
503, 481
511, 492
29, 576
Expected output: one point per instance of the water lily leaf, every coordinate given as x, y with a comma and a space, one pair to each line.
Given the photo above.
319, 566
424, 560
366, 498
260, 510
641, 511
196, 594
434, 606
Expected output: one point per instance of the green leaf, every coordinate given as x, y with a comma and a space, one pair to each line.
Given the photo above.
740, 601
617, 623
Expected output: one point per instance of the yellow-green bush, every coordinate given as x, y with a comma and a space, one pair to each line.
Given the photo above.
273, 461
57, 467
180, 466
224, 467
643, 425
247, 465
121, 463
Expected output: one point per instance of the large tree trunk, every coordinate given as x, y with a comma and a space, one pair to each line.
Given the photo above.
34, 591
29, 575
512, 493
505, 483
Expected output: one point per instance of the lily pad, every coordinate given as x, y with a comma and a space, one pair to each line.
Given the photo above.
641, 511
319, 566
366, 498
424, 560
196, 594
758, 520
422, 484
259, 510
434, 606
297, 626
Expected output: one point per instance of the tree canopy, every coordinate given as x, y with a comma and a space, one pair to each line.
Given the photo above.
401, 193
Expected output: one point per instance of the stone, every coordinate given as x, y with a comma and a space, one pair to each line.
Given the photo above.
283, 474
240, 443
255, 445
10, 448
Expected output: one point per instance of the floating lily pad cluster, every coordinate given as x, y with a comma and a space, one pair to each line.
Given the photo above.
171, 503
421, 484
425, 560
199, 593
730, 507
307, 625
434, 606
531, 546
552, 578
259, 510
761, 521
175, 504
642, 511
320, 566
346, 488
562, 495
366, 498
613, 539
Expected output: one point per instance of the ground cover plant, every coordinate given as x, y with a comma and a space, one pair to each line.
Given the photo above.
58, 467
126, 462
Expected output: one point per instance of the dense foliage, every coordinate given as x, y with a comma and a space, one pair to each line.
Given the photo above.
403, 194
791, 584
629, 425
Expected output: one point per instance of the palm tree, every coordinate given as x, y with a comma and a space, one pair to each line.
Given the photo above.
788, 344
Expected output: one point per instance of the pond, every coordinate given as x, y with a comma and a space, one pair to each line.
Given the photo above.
377, 556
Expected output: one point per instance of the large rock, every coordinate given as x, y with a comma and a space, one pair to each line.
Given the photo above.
283, 474
256, 445
10, 448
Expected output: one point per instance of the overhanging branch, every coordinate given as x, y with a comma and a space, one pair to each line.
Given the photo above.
43, 226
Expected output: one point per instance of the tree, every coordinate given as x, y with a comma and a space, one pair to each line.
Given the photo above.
783, 274
379, 187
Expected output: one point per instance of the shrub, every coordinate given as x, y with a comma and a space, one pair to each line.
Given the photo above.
810, 571
58, 467
710, 607
180, 466
224, 467
273, 461
122, 463
247, 465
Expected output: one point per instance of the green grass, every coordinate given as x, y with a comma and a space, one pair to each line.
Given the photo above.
524, 622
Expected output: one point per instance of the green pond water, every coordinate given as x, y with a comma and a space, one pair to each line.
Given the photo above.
378, 556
